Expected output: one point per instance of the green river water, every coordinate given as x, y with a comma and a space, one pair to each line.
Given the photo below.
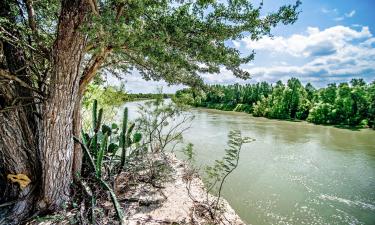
294, 173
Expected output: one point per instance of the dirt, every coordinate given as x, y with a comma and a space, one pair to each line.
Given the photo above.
179, 199
174, 205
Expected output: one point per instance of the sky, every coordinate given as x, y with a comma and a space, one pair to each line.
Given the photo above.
332, 41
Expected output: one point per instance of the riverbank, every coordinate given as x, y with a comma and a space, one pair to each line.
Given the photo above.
347, 127
179, 200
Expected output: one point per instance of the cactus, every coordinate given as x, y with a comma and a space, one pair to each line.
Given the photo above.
96, 122
100, 155
94, 113
128, 135
102, 138
96, 117
125, 138
94, 144
123, 144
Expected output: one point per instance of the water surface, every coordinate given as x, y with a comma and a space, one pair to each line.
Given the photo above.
295, 172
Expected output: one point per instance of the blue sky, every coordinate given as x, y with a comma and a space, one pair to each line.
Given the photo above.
332, 41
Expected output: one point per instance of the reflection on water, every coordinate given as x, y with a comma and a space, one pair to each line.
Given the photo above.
294, 173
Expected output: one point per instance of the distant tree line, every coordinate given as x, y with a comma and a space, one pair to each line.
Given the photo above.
112, 96
147, 96
351, 104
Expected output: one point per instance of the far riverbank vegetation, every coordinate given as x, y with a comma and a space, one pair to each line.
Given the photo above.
346, 104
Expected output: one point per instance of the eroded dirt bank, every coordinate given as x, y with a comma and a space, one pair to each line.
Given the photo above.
179, 199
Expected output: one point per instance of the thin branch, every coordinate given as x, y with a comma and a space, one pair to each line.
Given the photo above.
119, 10
94, 7
31, 16
9, 76
92, 67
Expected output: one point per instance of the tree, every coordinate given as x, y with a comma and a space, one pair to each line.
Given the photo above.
292, 96
52, 50
360, 102
328, 94
371, 111
355, 82
343, 104
310, 90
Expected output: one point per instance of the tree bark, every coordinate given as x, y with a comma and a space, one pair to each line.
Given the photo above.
77, 123
56, 141
42, 146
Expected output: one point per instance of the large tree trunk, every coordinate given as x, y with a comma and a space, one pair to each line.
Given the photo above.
56, 140
42, 146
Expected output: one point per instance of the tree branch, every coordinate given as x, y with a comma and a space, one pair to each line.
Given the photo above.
9, 76
31, 16
94, 7
92, 67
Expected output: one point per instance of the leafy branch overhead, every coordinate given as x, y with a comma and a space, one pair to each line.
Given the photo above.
170, 40
184, 38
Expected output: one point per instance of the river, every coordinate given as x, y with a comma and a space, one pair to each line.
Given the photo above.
294, 173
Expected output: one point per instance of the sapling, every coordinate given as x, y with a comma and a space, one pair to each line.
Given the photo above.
219, 172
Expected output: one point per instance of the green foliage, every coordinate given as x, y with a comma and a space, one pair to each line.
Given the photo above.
243, 108
171, 40
218, 173
106, 96
188, 152
100, 155
345, 104
371, 112
321, 113
162, 124
165, 38
137, 137
261, 107
108, 140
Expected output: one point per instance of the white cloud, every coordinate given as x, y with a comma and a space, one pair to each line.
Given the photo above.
236, 44
350, 14
314, 43
339, 18
335, 54
134, 83
329, 11
346, 15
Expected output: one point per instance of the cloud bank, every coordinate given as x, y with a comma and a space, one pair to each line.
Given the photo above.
334, 54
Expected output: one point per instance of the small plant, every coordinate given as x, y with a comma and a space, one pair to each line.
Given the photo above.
188, 152
100, 146
219, 172
125, 138
162, 124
